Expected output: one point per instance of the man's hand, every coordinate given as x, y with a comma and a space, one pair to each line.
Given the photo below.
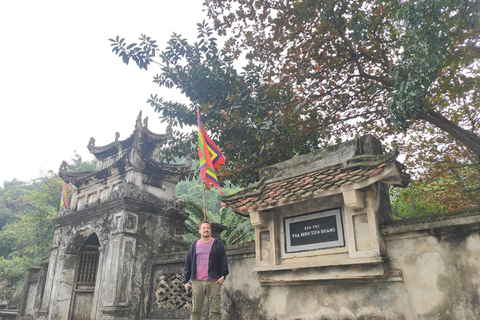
220, 280
187, 285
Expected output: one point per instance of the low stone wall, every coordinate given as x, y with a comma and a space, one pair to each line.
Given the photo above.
435, 274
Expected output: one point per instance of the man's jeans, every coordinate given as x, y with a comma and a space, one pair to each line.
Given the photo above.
210, 289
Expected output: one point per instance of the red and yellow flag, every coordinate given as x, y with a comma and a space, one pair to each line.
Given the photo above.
211, 157
64, 199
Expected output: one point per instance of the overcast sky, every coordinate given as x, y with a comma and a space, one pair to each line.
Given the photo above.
60, 84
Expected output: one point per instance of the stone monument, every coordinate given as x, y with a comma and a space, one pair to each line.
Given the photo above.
317, 217
121, 215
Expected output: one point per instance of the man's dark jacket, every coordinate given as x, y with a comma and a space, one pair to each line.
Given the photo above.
217, 263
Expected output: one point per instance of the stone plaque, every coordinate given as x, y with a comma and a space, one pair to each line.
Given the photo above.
314, 231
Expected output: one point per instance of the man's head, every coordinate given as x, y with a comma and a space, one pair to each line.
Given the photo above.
204, 230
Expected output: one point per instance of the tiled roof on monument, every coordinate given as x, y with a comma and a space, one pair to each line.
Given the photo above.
140, 150
319, 174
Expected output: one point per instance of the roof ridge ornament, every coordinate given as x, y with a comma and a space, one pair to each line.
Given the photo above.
370, 160
63, 166
91, 143
139, 117
140, 150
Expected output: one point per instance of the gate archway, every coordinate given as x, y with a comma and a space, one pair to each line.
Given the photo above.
85, 277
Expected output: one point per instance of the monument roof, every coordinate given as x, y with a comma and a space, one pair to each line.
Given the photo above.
141, 134
282, 189
140, 150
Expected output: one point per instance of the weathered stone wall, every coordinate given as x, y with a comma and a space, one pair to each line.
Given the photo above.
125, 246
439, 260
436, 261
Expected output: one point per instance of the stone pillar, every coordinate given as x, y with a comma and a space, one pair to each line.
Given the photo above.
30, 285
50, 276
119, 256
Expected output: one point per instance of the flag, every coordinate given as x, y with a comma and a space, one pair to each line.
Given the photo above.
64, 199
210, 156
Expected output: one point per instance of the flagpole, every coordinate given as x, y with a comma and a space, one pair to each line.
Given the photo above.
204, 206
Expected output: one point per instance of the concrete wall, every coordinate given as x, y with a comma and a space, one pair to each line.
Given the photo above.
435, 265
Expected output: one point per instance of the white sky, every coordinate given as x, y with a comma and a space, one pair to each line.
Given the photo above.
60, 84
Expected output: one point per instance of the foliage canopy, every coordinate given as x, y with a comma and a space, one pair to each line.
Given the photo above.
26, 230
371, 61
319, 71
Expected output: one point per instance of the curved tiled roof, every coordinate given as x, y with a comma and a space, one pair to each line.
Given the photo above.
308, 185
150, 140
139, 151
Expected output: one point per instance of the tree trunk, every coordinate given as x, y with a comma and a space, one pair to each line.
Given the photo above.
467, 138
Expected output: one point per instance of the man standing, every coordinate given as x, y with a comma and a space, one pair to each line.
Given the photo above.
206, 265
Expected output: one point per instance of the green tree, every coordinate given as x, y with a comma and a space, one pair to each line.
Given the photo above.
32, 205
408, 66
13, 270
26, 230
26, 233
191, 190
241, 111
400, 61
320, 71
448, 184
411, 202
239, 229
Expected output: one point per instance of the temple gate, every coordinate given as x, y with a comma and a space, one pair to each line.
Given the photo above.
122, 214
